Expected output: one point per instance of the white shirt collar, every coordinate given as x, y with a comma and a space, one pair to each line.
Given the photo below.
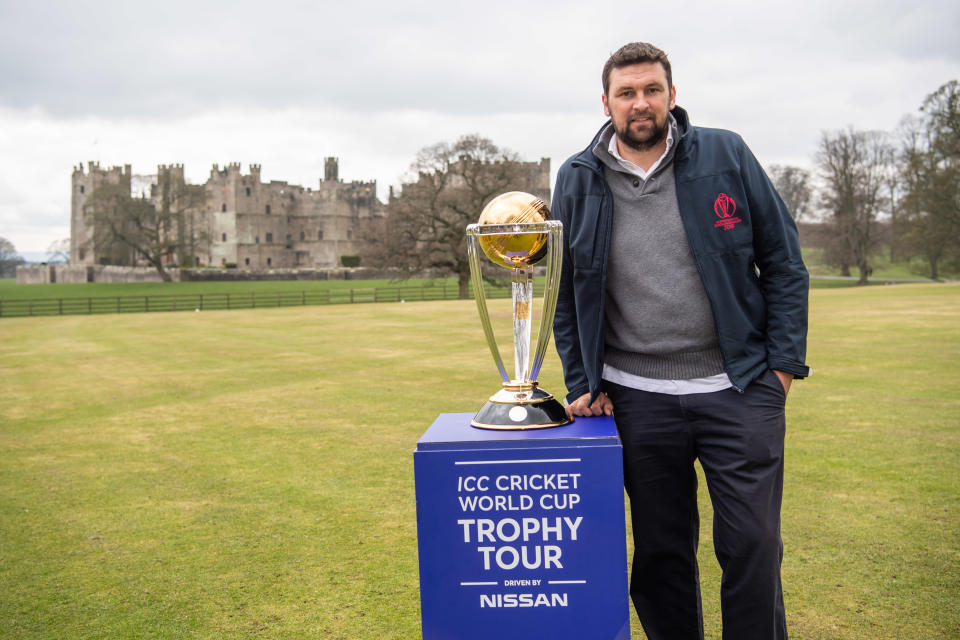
631, 167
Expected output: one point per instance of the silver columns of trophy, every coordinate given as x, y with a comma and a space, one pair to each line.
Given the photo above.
515, 232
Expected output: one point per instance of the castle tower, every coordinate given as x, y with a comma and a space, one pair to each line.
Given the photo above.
330, 170
82, 231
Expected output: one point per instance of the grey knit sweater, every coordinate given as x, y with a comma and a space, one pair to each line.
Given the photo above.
658, 319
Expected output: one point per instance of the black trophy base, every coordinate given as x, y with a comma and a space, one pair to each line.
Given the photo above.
539, 413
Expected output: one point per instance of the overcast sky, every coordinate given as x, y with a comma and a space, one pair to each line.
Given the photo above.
286, 83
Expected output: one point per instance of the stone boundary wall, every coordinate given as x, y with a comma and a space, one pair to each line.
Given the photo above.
250, 275
46, 274
34, 275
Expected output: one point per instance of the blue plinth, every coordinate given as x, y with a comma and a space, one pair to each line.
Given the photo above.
521, 533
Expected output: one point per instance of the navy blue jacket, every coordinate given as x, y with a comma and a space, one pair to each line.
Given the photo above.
743, 241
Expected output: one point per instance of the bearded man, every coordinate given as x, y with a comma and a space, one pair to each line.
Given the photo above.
683, 313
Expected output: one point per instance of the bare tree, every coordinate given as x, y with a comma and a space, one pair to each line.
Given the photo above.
130, 230
893, 181
425, 225
931, 166
793, 185
180, 205
852, 166
9, 259
59, 252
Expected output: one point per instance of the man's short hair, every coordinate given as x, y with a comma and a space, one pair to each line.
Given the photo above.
635, 53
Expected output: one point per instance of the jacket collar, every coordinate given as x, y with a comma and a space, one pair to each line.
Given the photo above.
588, 158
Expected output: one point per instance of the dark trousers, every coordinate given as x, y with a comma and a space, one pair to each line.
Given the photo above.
738, 438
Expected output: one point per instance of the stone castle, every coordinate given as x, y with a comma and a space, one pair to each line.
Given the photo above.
245, 222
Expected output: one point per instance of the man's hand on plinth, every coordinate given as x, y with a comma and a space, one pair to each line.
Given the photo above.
602, 406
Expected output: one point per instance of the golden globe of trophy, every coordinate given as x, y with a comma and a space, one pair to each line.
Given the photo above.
515, 232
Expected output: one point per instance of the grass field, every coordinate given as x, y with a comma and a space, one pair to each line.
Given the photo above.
248, 474
98, 298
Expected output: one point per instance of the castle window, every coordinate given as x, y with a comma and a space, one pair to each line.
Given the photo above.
223, 207
248, 190
196, 261
269, 237
256, 240
349, 234
246, 261
269, 261
224, 237
320, 234
268, 209
82, 188
303, 236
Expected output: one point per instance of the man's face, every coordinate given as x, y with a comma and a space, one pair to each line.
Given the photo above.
638, 103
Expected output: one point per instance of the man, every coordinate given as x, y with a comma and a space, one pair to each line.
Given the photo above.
682, 312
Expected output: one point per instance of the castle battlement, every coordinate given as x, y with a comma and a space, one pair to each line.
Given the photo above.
171, 172
93, 167
230, 169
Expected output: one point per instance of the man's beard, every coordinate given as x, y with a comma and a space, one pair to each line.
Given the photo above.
656, 135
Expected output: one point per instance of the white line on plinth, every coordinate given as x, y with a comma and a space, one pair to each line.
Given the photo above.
566, 582
516, 461
478, 584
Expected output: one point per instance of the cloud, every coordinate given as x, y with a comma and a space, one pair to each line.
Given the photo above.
120, 58
287, 83
112, 58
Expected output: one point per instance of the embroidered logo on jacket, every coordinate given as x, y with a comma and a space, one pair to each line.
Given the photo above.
725, 207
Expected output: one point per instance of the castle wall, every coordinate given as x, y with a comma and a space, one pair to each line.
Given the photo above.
114, 274
38, 274
279, 225
71, 273
246, 222
255, 225
48, 274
